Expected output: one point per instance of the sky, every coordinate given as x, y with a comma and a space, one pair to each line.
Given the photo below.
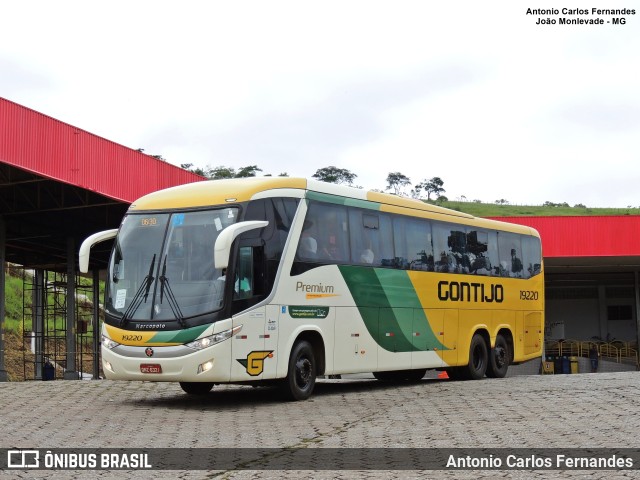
476, 93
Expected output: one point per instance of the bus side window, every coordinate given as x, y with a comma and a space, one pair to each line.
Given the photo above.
243, 281
448, 247
326, 225
477, 252
510, 252
414, 249
531, 256
370, 238
492, 254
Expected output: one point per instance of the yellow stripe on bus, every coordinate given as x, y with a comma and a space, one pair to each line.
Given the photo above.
134, 338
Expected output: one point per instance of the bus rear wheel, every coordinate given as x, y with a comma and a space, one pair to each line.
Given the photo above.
478, 358
499, 359
196, 388
301, 375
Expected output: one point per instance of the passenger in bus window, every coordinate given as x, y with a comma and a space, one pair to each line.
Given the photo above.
447, 263
481, 265
242, 287
308, 248
367, 256
516, 264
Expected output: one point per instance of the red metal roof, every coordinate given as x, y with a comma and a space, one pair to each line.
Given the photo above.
585, 236
50, 148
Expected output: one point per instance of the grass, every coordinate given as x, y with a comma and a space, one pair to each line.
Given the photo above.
13, 304
496, 210
16, 303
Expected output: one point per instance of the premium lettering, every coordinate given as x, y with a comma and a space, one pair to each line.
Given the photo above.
311, 288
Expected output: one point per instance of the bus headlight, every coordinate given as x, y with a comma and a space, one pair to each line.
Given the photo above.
205, 342
108, 343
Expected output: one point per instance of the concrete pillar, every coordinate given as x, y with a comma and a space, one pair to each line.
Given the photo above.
71, 370
3, 241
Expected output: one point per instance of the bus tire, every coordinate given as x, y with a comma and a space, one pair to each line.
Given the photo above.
196, 388
478, 358
301, 374
499, 359
385, 376
415, 375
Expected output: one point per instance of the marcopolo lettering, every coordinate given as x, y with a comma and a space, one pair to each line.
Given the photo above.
470, 292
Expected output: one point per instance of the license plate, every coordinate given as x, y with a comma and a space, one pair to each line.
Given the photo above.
150, 368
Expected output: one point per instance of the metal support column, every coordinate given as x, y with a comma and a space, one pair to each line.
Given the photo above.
96, 324
38, 299
3, 240
71, 371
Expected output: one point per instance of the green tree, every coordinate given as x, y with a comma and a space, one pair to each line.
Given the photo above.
335, 175
396, 181
434, 186
221, 172
197, 171
245, 172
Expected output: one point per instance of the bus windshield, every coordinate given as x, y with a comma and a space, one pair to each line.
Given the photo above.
162, 265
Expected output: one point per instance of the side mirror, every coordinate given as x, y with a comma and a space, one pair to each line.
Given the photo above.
89, 242
222, 249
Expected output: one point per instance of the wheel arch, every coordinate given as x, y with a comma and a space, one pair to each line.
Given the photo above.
484, 333
317, 343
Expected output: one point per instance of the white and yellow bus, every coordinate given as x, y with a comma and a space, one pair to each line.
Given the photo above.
281, 280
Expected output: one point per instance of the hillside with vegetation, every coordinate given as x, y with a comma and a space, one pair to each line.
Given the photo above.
479, 209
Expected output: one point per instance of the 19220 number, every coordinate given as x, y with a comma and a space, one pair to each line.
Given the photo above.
528, 295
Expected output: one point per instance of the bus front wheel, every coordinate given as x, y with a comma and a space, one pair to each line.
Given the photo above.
301, 375
478, 358
498, 359
196, 388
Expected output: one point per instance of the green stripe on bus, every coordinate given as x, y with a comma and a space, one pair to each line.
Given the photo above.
178, 336
390, 308
349, 202
401, 295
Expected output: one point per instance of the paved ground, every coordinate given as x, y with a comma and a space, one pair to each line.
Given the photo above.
560, 411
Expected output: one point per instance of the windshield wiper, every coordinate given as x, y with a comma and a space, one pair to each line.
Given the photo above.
171, 299
144, 287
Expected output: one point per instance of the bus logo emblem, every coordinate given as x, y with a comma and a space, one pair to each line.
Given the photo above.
254, 363
149, 352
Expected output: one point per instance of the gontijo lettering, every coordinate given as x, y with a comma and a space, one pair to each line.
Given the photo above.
470, 292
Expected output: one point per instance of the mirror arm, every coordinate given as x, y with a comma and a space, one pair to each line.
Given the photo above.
85, 248
224, 241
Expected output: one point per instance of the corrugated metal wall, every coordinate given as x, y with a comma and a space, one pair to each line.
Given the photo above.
48, 147
591, 236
